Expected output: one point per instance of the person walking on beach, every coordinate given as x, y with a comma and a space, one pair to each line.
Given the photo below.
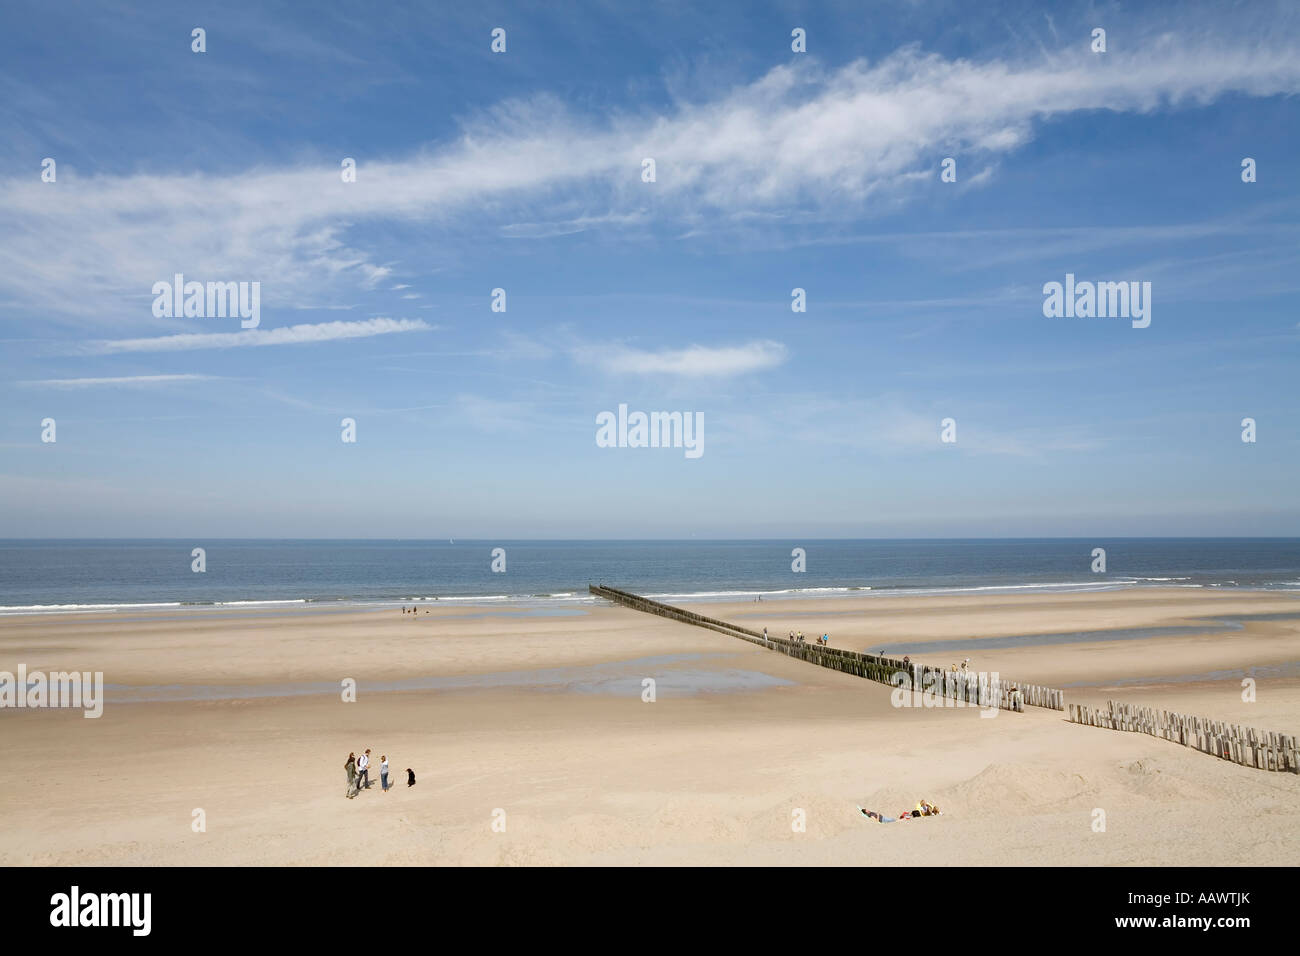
383, 773
351, 768
363, 771
764, 635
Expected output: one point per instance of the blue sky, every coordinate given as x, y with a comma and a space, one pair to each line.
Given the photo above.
774, 170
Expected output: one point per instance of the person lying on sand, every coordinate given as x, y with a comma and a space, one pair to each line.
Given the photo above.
923, 809
875, 816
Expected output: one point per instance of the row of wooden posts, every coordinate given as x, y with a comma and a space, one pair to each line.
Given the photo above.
1242, 745
959, 686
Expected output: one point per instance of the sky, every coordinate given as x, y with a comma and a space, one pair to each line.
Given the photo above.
524, 171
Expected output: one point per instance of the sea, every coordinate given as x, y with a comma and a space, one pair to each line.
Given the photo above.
63, 575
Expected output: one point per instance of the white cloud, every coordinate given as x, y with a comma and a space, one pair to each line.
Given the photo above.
801, 142
695, 361
288, 335
521, 347
118, 380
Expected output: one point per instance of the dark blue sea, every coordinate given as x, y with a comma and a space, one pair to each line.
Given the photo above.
68, 575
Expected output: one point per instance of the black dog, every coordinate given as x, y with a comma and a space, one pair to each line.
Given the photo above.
410, 777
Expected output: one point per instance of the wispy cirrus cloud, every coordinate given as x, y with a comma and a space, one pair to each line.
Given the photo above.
803, 142
891, 425
118, 380
288, 335
695, 361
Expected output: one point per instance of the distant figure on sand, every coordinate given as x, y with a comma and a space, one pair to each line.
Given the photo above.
764, 635
351, 768
875, 816
410, 777
923, 809
383, 774
363, 771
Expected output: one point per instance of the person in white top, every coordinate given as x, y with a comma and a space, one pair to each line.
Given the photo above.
363, 771
383, 773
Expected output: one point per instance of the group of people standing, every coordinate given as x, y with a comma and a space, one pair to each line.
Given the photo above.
798, 638
358, 769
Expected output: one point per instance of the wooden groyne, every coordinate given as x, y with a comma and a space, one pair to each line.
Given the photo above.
973, 689
1242, 745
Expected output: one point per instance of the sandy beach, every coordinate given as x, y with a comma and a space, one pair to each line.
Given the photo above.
537, 722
